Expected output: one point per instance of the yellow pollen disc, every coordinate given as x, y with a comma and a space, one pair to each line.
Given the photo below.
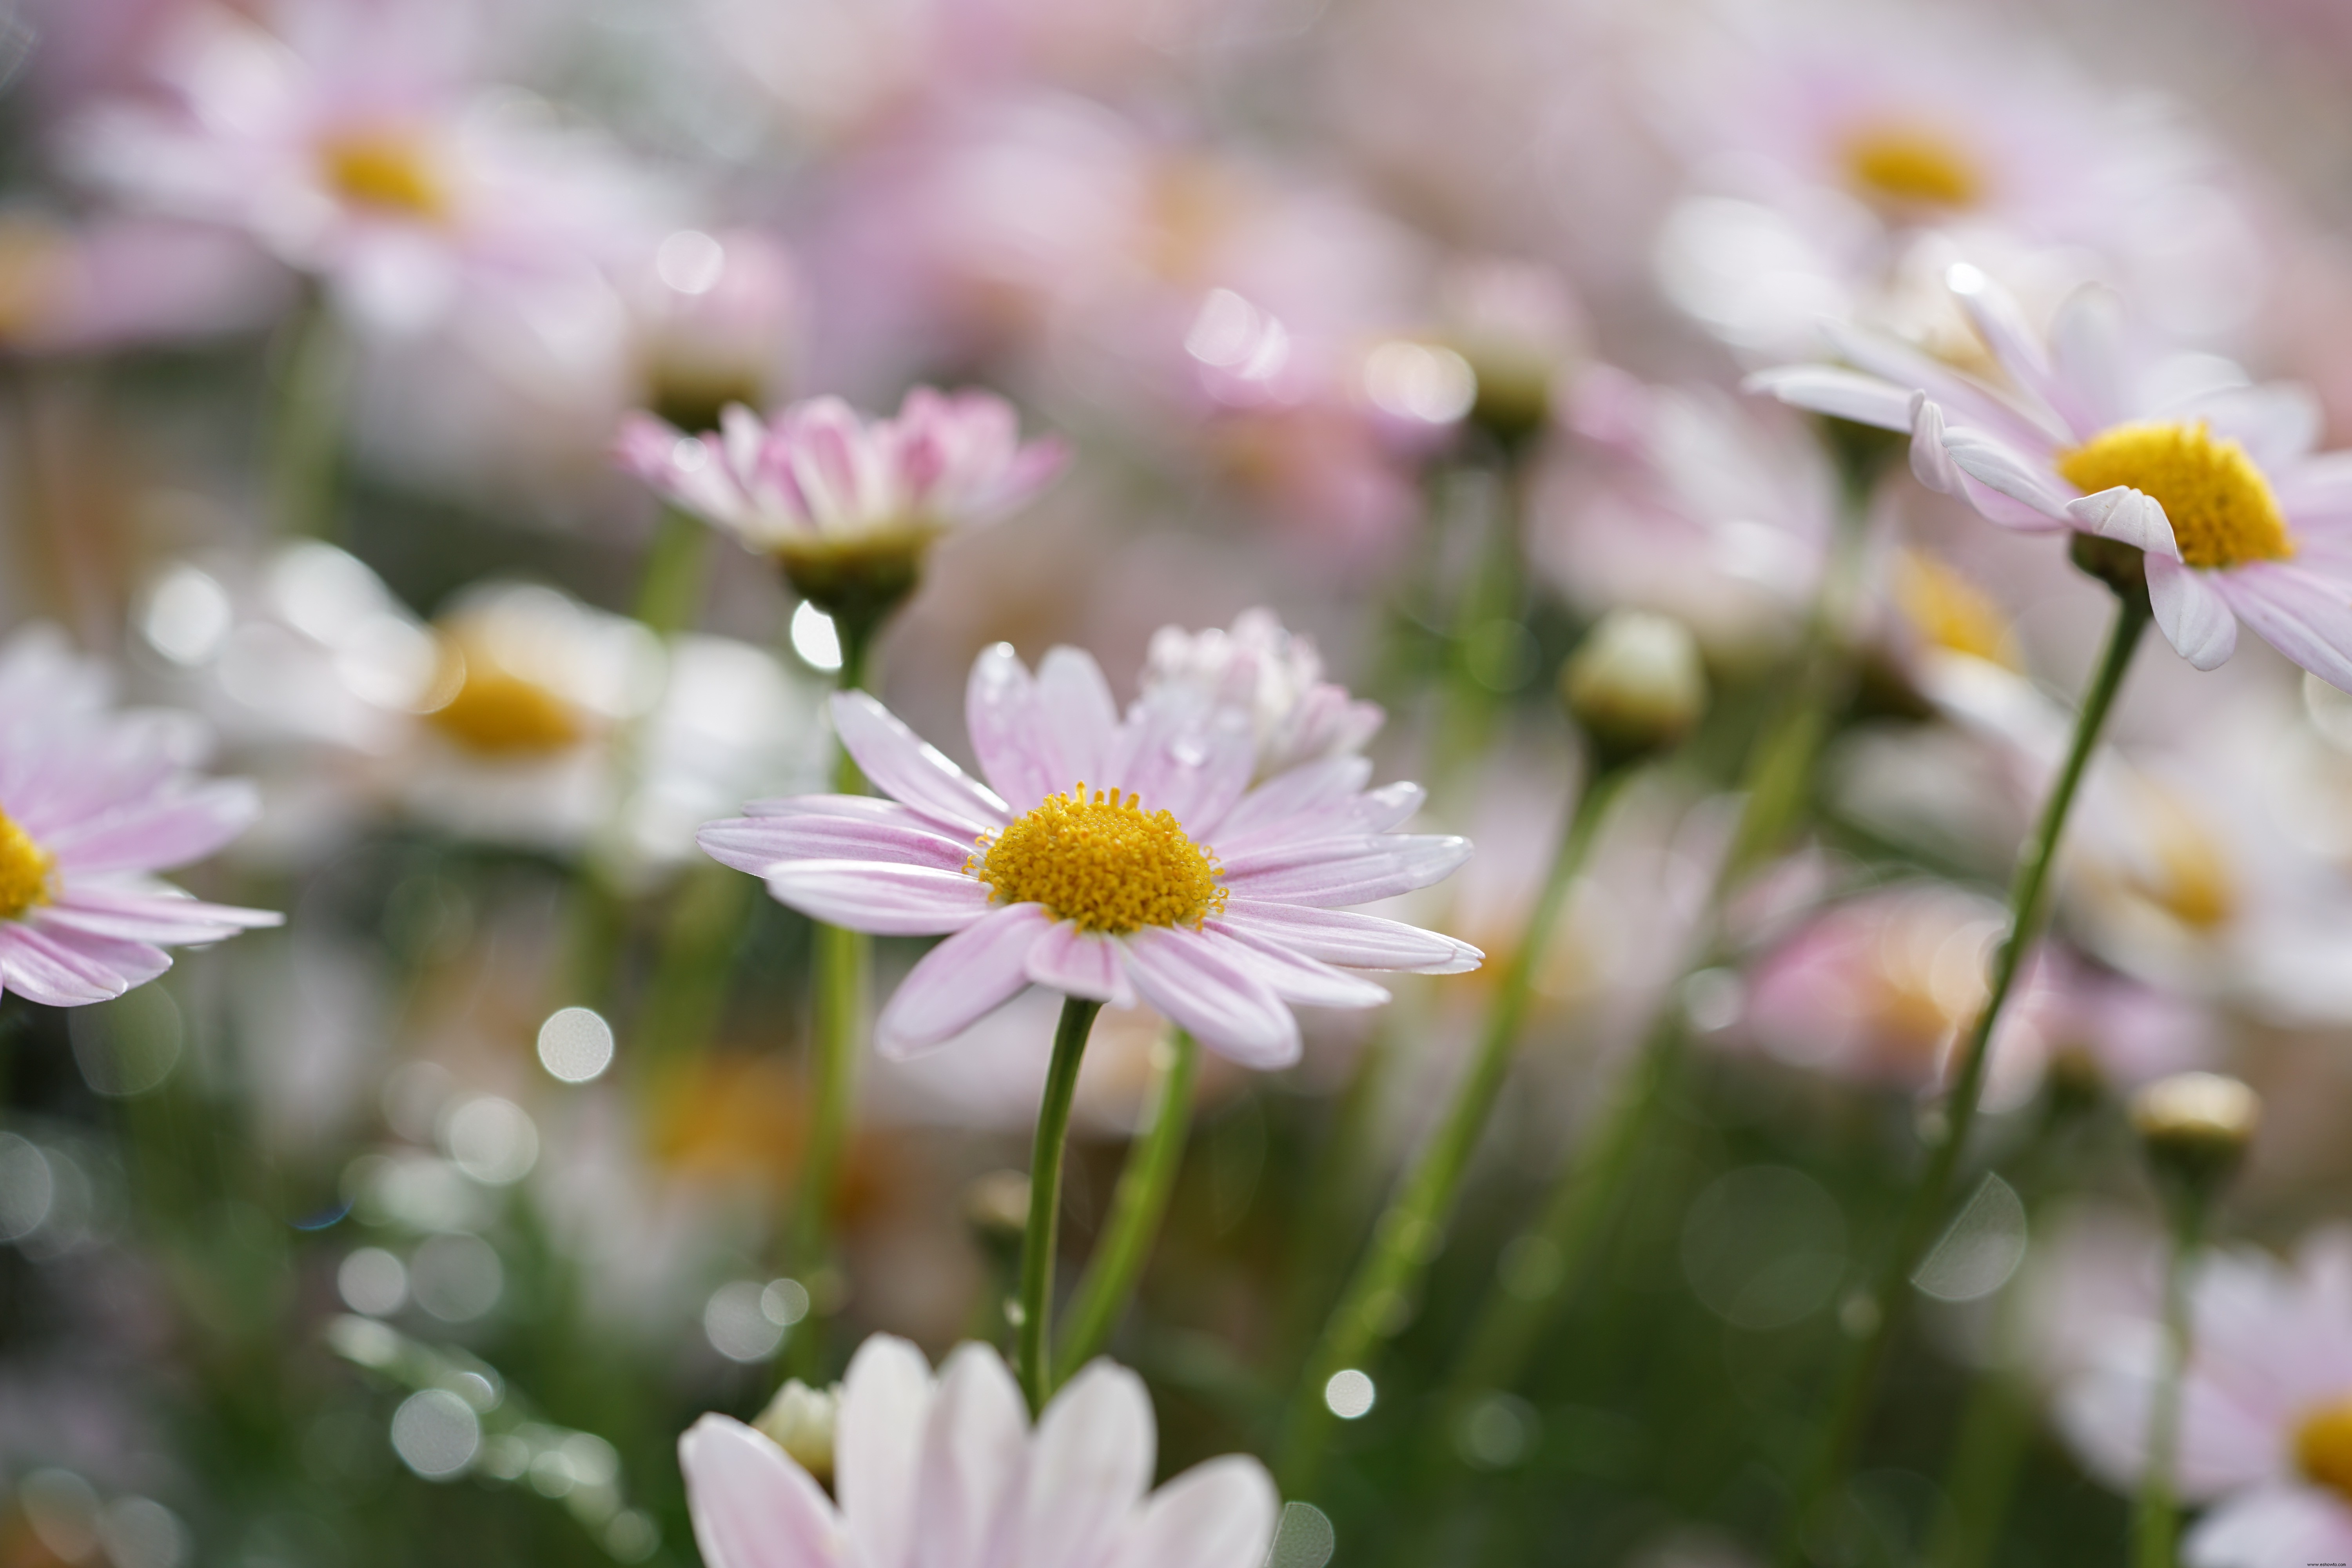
1911, 165
1950, 612
492, 709
1103, 863
390, 169
26, 870
2322, 1447
2220, 506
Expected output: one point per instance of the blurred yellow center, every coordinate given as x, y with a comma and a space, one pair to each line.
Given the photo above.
2322, 1447
2220, 506
392, 169
2189, 878
25, 870
492, 709
1911, 166
1103, 863
1950, 612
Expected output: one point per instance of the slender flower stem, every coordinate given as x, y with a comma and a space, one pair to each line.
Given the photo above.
2156, 1512
1409, 1231
305, 430
1046, 1199
2029, 908
669, 590
1136, 1207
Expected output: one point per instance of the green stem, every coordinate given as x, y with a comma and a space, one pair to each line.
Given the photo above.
1136, 1207
2028, 908
1407, 1236
1333, 1215
669, 590
2156, 1512
312, 378
1046, 1199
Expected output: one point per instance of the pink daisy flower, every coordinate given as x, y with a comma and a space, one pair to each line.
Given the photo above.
2238, 520
946, 1470
821, 476
1272, 673
91, 805
1084, 864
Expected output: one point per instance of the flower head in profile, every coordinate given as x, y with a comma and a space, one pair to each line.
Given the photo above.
2218, 486
92, 804
2265, 1412
848, 504
1107, 857
948, 1469
1271, 673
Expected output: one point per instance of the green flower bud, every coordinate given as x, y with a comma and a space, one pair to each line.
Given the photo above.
1637, 684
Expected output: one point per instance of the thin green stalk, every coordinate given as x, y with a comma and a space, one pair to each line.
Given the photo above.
2029, 908
1036, 1363
1333, 1215
1136, 1207
1408, 1234
2156, 1511
311, 383
669, 590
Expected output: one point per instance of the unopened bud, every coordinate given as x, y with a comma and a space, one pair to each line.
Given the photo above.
997, 1205
1637, 684
801, 1421
2194, 1128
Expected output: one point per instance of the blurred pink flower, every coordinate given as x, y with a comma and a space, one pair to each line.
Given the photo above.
2266, 1407
2086, 438
1110, 891
1271, 673
123, 282
948, 1469
718, 318
91, 805
819, 473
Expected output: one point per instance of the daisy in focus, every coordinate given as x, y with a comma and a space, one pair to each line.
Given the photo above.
948, 1469
1084, 863
93, 804
2217, 484
2266, 1408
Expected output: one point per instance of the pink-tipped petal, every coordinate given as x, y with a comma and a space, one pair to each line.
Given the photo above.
1079, 964
761, 844
2194, 618
1000, 715
1999, 467
149, 916
915, 773
877, 1446
752, 1507
879, 898
961, 980
157, 833
2086, 351
1355, 941
2302, 619
40, 967
1225, 1004
1077, 721
1220, 1514
1089, 1466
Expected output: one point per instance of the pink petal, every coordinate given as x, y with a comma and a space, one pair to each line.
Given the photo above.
71, 969
1969, 401
1304, 795
902, 765
1225, 1003
1297, 978
1089, 1466
759, 844
883, 898
973, 1455
885, 1401
1191, 765
149, 917
2195, 619
1000, 714
158, 834
1347, 871
1358, 942
753, 1506
1220, 1514
2307, 620
1077, 720
2014, 343
2086, 348
1079, 964
2269, 1526
1841, 393
965, 977
2002, 469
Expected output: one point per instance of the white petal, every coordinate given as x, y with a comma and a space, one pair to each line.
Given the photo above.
973, 1455
2193, 617
753, 1506
1843, 394
1089, 1466
1930, 464
2086, 352
1220, 1514
2272, 1525
902, 765
885, 1400
1356, 940
2308, 621
2127, 516
2005, 470
1297, 978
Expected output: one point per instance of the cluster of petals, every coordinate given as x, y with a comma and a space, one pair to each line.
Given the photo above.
1294, 851
108, 799
1273, 674
821, 473
2266, 1431
2002, 451
946, 1471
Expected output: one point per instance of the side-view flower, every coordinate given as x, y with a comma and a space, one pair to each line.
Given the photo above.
946, 1469
2219, 485
92, 804
1107, 857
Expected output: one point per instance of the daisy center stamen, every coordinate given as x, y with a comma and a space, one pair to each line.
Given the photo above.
491, 709
2322, 1447
1911, 165
389, 169
2222, 509
27, 872
1103, 863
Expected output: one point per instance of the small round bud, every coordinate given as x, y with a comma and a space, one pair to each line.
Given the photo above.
801, 1421
2194, 1128
997, 1204
1635, 685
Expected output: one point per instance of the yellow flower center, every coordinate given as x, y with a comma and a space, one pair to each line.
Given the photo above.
2220, 506
2322, 1445
1912, 166
492, 709
27, 872
389, 168
1950, 612
2190, 879
1102, 862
